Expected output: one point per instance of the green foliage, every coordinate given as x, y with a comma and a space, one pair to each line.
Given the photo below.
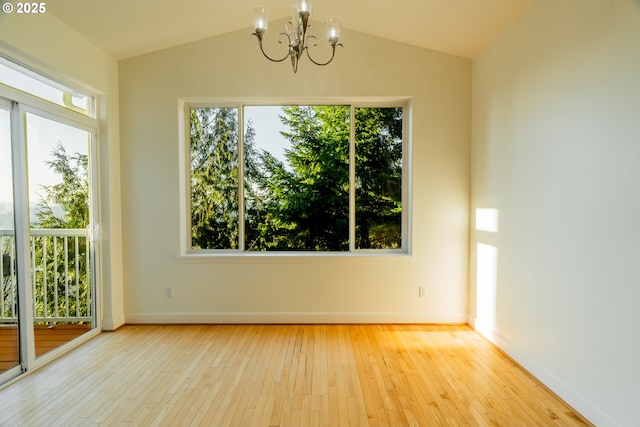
378, 177
214, 178
61, 264
62, 269
309, 197
71, 194
8, 283
303, 202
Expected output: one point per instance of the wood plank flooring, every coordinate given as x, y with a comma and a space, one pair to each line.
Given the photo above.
284, 375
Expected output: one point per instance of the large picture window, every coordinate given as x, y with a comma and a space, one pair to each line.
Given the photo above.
312, 178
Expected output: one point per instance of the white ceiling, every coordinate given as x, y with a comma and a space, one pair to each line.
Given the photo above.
127, 28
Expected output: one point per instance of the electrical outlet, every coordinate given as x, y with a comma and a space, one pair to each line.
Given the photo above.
422, 291
168, 291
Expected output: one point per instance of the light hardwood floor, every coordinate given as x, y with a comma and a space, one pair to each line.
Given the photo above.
284, 375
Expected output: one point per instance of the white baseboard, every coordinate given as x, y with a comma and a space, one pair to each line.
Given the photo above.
293, 317
586, 408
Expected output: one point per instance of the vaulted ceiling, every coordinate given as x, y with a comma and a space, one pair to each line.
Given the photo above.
127, 28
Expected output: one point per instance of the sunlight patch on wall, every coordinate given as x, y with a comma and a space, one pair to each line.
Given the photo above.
487, 284
487, 220
486, 272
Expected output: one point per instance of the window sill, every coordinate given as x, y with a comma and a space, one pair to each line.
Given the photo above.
287, 257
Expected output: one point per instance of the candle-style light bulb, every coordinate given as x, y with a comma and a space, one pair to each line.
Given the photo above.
302, 6
260, 16
334, 25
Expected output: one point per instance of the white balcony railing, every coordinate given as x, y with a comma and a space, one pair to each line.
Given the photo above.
61, 276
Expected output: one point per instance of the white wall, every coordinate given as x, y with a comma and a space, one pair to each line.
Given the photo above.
47, 45
295, 289
555, 148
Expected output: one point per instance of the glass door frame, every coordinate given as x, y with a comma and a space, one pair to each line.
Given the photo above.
23, 103
7, 106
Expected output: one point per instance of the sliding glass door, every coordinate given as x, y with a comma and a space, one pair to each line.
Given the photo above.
47, 216
59, 188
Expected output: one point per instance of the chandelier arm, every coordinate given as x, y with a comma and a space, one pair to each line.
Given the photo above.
333, 54
279, 41
289, 30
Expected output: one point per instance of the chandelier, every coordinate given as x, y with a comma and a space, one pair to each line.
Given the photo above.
296, 33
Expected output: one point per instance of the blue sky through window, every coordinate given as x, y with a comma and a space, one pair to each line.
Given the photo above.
266, 122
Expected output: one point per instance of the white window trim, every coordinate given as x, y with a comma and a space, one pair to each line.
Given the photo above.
187, 252
53, 81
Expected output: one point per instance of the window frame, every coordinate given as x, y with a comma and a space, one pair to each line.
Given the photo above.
87, 116
184, 108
